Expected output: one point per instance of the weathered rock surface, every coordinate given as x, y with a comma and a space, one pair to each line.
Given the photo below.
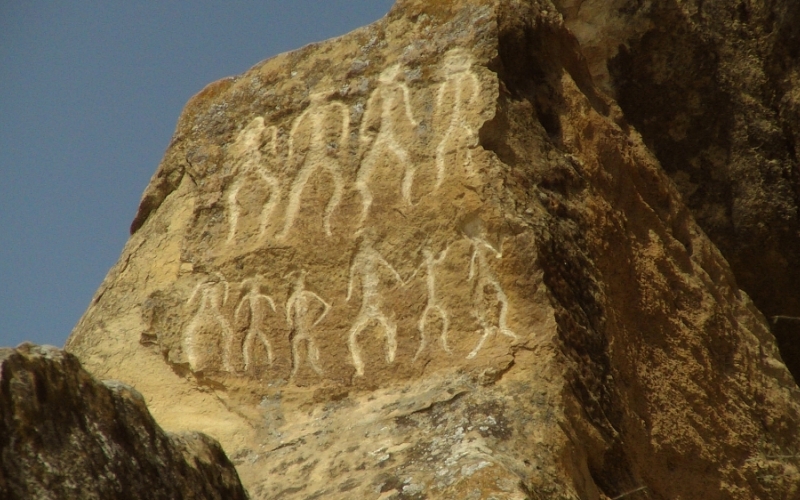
64, 435
434, 259
713, 86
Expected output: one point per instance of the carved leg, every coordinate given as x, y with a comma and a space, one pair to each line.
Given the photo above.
336, 198
294, 198
352, 343
269, 207
486, 333
233, 211
296, 354
313, 356
267, 345
391, 337
247, 349
445, 327
227, 341
423, 338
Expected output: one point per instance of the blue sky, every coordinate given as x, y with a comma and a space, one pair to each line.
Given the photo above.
91, 92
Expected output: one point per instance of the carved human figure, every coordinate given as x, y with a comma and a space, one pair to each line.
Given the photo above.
301, 320
208, 325
458, 96
366, 265
253, 308
251, 169
388, 111
318, 140
430, 262
484, 278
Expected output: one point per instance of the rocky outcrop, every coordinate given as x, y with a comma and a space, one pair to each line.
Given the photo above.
433, 258
713, 86
65, 435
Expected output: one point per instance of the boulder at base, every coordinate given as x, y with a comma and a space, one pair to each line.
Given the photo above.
65, 435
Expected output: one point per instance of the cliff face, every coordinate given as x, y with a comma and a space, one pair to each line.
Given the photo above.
65, 435
714, 89
435, 258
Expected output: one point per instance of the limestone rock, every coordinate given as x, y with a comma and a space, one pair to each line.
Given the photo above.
65, 435
433, 259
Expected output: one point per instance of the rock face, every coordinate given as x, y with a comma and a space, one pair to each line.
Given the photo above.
65, 435
713, 86
434, 258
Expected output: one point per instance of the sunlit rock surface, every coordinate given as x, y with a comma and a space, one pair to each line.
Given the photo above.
433, 258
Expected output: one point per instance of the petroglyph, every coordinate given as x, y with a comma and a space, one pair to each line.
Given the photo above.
253, 306
459, 92
251, 169
378, 135
484, 278
277, 184
299, 316
207, 323
367, 263
321, 154
432, 305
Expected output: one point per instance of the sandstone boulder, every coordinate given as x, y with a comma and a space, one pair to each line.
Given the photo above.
65, 435
433, 259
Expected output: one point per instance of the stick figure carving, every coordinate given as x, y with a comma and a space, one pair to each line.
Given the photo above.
250, 169
378, 134
208, 322
298, 316
367, 263
254, 305
322, 153
432, 306
484, 277
459, 92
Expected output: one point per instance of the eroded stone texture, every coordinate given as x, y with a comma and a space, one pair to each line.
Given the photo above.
65, 435
431, 259
712, 86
